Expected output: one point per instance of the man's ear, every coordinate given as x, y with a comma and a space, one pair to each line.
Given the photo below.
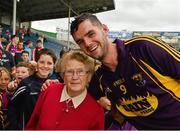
105, 29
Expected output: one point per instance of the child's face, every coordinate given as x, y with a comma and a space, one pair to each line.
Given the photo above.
21, 73
39, 45
20, 45
4, 80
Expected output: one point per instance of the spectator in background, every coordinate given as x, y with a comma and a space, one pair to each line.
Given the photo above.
24, 99
23, 70
28, 48
5, 78
12, 46
41, 37
55, 73
69, 105
19, 50
36, 50
7, 60
3, 42
8, 35
25, 56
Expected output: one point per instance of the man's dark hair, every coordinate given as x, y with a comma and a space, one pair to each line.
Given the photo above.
79, 19
25, 52
38, 41
13, 36
28, 42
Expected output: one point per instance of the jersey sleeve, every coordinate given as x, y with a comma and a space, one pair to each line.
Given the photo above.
158, 54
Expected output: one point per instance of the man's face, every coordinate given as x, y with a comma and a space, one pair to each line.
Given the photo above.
92, 39
20, 45
25, 57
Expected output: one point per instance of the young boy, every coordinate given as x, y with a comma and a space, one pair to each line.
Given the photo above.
23, 70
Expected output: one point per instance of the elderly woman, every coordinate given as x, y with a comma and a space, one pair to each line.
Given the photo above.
68, 105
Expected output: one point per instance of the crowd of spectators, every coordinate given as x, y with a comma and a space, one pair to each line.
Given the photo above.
19, 60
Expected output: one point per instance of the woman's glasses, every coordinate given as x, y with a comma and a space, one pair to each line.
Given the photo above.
79, 72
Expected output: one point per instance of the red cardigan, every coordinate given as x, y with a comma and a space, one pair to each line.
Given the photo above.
50, 113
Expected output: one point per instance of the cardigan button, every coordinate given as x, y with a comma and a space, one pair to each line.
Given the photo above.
57, 123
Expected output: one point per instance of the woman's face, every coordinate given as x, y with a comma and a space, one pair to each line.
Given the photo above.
4, 80
45, 65
76, 77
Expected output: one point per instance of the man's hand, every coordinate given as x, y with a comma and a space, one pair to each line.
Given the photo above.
47, 83
105, 103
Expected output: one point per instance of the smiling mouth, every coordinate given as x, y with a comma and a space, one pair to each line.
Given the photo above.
92, 48
75, 83
19, 78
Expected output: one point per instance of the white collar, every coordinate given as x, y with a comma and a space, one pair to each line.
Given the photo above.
75, 100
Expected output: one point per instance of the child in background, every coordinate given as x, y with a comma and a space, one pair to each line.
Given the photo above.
28, 48
5, 78
38, 47
25, 97
23, 70
18, 53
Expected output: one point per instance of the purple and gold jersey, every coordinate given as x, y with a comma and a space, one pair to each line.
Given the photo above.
146, 84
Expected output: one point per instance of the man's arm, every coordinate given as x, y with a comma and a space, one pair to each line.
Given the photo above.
47, 83
95, 88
